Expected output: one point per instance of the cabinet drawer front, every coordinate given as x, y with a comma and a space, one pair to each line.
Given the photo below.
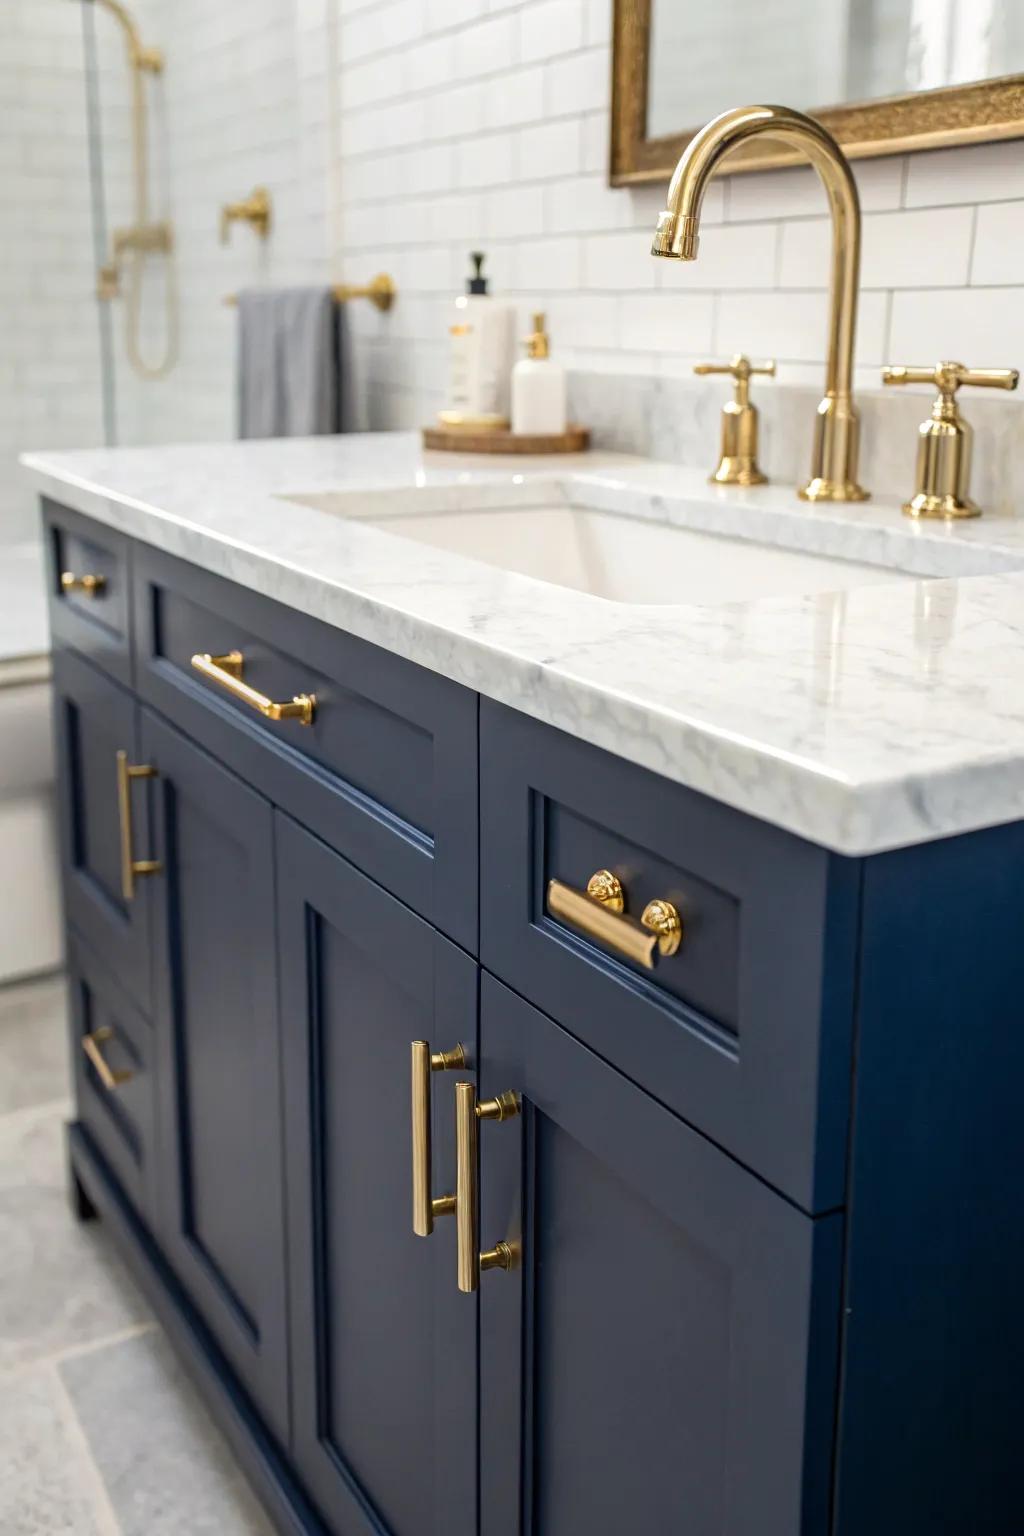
745, 1028
94, 720
112, 1059
89, 584
663, 1357
386, 771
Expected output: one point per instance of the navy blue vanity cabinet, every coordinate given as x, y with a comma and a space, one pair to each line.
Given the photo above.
104, 818
664, 1356
221, 1222
383, 1347
112, 1056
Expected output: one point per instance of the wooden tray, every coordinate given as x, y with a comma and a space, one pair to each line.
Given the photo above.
464, 440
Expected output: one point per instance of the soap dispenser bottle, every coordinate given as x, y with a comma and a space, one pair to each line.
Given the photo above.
538, 388
480, 357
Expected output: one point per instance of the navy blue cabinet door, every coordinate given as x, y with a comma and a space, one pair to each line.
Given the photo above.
95, 719
663, 1358
383, 1347
222, 1224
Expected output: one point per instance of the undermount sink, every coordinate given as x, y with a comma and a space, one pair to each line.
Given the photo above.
621, 558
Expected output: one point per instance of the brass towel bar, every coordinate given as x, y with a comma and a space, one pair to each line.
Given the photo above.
380, 291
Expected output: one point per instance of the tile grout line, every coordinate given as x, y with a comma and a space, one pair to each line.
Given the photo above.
101, 1502
77, 1351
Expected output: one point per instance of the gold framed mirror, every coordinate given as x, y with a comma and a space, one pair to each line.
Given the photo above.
660, 68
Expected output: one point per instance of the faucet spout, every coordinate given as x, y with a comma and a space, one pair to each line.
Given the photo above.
837, 429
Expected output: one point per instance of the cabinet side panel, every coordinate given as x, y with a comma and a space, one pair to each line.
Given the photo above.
934, 1338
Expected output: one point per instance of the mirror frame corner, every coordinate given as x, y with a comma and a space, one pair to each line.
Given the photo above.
977, 113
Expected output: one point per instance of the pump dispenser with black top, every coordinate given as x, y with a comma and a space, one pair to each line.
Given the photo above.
480, 357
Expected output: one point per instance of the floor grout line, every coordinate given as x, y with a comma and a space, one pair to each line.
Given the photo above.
26, 1111
76, 1351
103, 1507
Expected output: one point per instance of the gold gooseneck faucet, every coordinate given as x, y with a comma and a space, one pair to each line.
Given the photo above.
837, 430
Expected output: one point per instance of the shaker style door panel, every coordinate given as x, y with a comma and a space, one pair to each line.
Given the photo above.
663, 1356
101, 827
216, 1010
383, 1347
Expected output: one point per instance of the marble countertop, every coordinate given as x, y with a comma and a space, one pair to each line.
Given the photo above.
864, 719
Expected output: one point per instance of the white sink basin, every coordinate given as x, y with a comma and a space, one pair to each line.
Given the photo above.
622, 558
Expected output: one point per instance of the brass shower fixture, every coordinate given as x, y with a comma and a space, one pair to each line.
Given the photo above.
144, 237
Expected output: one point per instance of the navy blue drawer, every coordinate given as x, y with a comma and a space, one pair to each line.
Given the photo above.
745, 1029
112, 1045
386, 773
89, 584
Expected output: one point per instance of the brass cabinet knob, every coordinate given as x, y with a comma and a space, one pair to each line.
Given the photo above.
945, 439
737, 464
600, 913
91, 586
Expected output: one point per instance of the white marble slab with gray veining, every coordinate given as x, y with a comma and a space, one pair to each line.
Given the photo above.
864, 719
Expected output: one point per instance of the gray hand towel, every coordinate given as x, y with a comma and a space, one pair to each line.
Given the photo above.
288, 383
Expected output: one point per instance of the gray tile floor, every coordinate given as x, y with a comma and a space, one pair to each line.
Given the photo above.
100, 1433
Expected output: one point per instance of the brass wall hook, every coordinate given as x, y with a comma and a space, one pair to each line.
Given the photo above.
737, 464
254, 210
945, 440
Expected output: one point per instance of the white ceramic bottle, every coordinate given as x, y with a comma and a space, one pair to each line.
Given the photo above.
480, 357
538, 388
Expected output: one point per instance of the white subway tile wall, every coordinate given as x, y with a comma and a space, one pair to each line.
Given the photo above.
398, 135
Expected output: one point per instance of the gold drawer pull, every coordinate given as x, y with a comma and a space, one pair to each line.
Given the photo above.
599, 913
106, 1074
130, 865
424, 1206
468, 1114
92, 586
227, 671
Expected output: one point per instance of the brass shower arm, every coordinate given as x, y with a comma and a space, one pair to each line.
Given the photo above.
151, 60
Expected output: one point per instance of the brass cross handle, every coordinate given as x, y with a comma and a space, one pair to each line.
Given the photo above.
737, 459
739, 366
944, 441
949, 377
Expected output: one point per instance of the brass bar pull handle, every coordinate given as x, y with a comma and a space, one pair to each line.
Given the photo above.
424, 1206
131, 867
104, 1071
226, 671
598, 912
468, 1113
91, 586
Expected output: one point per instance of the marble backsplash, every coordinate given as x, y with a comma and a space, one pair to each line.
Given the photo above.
677, 420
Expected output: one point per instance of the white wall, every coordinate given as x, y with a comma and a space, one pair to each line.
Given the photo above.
49, 339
